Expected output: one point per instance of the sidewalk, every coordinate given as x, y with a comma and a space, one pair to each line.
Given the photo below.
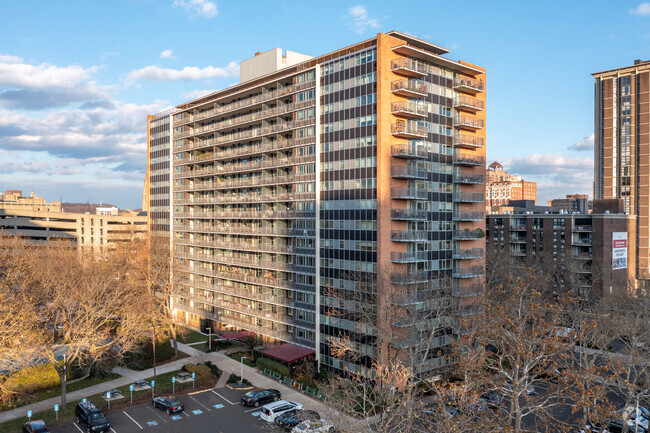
225, 364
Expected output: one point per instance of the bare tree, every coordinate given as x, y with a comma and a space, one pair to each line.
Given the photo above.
87, 302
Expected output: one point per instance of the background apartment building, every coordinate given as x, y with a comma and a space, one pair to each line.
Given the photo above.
315, 176
622, 146
502, 187
578, 203
592, 253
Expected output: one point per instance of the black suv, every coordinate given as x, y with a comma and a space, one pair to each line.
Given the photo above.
260, 396
89, 416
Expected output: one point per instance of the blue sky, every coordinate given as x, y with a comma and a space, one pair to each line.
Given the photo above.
77, 78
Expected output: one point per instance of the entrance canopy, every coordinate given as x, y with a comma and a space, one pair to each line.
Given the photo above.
288, 352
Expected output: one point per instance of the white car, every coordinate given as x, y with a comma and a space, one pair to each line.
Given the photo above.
272, 410
309, 426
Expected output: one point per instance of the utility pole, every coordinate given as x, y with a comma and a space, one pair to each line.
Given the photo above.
154, 351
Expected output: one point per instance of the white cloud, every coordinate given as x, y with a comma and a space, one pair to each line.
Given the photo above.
359, 20
194, 94
586, 143
166, 54
642, 9
6, 58
157, 73
18, 74
203, 8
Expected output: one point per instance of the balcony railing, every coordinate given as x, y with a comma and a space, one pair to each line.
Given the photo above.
409, 109
468, 254
408, 215
582, 228
409, 67
469, 272
409, 277
518, 227
408, 236
471, 85
469, 141
469, 197
408, 257
409, 88
468, 122
582, 241
518, 239
468, 159
472, 179
409, 130
408, 150
464, 102
467, 291
406, 172
405, 193
468, 216
468, 235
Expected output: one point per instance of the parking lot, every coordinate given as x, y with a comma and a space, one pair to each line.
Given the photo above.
214, 410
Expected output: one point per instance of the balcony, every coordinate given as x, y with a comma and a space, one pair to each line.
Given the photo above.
469, 141
468, 159
408, 130
468, 179
408, 151
408, 236
409, 277
520, 252
468, 85
467, 291
518, 239
409, 68
582, 256
467, 103
409, 88
468, 122
518, 227
409, 109
469, 197
405, 172
469, 272
408, 215
408, 257
468, 216
468, 235
468, 254
582, 228
582, 242
405, 193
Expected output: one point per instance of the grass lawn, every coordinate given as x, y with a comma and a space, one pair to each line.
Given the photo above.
237, 357
191, 336
163, 386
56, 391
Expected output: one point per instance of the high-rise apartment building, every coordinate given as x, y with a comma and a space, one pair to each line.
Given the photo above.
622, 147
502, 187
315, 176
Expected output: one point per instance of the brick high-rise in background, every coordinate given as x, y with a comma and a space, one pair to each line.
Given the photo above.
622, 147
316, 175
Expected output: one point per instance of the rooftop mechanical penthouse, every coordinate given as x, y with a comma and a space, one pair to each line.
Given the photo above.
317, 178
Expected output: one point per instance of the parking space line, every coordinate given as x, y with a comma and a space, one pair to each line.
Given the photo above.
224, 398
200, 403
187, 415
74, 424
136, 423
113, 430
157, 414
252, 410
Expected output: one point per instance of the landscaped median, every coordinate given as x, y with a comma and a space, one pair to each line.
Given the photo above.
206, 376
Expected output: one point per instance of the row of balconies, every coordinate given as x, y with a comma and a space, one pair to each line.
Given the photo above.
245, 182
261, 247
240, 230
247, 198
248, 134
233, 291
468, 197
237, 274
244, 214
421, 256
250, 149
245, 166
410, 151
247, 102
258, 115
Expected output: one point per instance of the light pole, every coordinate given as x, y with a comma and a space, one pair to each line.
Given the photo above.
210, 339
241, 371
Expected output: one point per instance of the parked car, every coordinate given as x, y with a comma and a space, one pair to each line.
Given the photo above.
89, 416
35, 427
611, 426
168, 405
492, 399
316, 426
294, 417
641, 413
272, 410
260, 396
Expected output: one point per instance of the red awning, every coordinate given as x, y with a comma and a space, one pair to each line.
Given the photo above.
236, 335
288, 352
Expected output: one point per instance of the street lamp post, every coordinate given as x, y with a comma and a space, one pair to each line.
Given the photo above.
210, 339
241, 371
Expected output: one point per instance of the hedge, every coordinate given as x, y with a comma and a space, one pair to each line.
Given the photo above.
33, 379
263, 363
204, 374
